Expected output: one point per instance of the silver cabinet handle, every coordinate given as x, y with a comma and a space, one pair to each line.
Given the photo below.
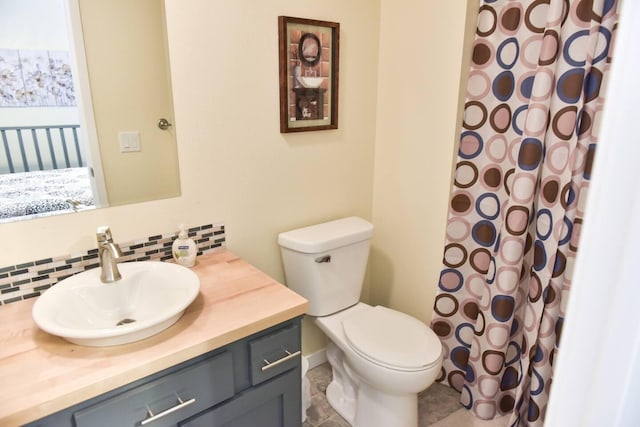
181, 404
289, 356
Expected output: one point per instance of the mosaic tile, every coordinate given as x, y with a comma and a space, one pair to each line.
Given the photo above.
29, 279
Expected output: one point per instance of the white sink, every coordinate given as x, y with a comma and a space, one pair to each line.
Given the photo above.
311, 82
150, 297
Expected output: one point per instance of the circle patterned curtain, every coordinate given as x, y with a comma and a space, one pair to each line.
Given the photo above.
533, 104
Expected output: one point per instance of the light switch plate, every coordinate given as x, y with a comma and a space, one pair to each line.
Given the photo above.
129, 141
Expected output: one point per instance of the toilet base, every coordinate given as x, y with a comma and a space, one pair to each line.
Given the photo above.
344, 406
362, 405
341, 391
375, 409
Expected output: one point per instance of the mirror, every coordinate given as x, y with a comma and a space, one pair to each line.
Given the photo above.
122, 87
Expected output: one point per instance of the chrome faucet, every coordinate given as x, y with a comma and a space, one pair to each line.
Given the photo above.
109, 254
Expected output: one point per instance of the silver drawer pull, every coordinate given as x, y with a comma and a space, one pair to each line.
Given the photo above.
289, 356
181, 404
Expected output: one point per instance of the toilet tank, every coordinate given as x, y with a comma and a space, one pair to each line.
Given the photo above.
326, 263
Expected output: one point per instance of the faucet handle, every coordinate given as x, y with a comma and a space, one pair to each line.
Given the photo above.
103, 234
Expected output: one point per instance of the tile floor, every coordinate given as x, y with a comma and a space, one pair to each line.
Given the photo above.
438, 406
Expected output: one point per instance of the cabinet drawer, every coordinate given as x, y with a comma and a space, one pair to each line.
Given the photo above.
275, 353
165, 401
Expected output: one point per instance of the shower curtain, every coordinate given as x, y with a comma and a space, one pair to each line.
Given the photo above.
534, 100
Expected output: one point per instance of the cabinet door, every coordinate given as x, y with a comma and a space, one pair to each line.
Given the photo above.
274, 403
167, 400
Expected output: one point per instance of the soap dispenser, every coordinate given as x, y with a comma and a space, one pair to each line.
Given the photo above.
184, 248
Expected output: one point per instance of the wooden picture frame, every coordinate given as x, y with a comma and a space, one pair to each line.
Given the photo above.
308, 60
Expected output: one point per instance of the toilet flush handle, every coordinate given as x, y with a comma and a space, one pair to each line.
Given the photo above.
325, 258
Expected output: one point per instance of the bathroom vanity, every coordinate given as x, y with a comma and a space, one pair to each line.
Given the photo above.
232, 359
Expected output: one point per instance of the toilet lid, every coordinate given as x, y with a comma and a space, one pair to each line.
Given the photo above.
392, 339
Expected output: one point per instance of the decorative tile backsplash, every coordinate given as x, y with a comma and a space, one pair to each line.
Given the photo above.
30, 279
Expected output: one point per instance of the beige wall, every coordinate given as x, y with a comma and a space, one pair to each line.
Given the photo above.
237, 168
421, 54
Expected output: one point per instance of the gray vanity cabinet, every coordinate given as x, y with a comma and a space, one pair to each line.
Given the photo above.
255, 381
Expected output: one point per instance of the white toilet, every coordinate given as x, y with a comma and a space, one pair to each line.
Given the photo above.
381, 358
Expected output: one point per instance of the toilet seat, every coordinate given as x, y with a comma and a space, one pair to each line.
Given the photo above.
392, 339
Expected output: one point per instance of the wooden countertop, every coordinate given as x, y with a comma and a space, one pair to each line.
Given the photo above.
41, 374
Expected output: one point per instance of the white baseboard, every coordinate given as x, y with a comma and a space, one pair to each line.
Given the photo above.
317, 358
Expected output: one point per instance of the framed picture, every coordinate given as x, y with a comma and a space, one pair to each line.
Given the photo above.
308, 53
